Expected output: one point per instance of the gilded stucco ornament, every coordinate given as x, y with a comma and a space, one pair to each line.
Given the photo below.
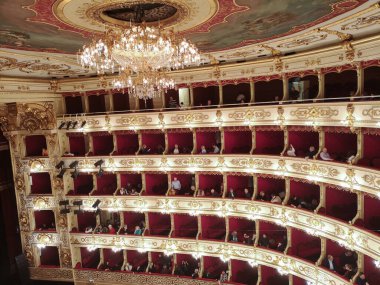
37, 117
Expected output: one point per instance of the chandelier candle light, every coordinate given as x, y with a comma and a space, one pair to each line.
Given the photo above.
142, 56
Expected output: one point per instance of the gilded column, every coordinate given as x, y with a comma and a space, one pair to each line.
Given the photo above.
252, 89
220, 93
321, 85
285, 87
191, 96
360, 78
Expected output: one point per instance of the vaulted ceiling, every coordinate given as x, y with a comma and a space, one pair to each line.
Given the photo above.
40, 38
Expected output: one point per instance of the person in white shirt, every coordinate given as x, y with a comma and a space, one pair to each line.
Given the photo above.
291, 151
216, 149
275, 199
176, 184
88, 230
325, 155
203, 149
176, 149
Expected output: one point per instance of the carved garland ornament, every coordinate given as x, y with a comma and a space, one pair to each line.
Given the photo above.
314, 113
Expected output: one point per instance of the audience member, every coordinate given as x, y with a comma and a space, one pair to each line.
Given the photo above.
176, 149
275, 199
223, 276
144, 149
294, 201
264, 241
231, 193
195, 275
160, 149
324, 155
362, 280
215, 148
124, 230
201, 193
133, 192
213, 193
209, 103
311, 152
138, 231
247, 195
291, 151
127, 267
349, 257
348, 271
176, 184
45, 152
172, 102
329, 263
111, 230
203, 149
262, 196
234, 236
248, 240
88, 230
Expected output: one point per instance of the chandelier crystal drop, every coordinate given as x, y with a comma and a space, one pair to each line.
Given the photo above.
142, 56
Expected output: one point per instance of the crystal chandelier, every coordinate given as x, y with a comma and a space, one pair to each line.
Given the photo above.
142, 56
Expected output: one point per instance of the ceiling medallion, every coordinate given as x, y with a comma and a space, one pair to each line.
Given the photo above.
141, 55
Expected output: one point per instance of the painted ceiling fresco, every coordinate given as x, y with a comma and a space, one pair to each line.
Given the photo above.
263, 20
258, 20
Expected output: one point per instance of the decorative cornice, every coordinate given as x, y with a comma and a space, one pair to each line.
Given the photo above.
364, 114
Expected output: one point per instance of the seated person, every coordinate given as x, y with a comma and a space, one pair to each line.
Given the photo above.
195, 275
262, 196
362, 280
264, 241
201, 193
111, 230
324, 155
349, 271
192, 189
247, 239
176, 149
247, 195
203, 150
133, 192
88, 230
160, 149
176, 184
231, 193
294, 201
329, 263
124, 230
144, 149
215, 148
223, 277
213, 193
138, 231
234, 237
275, 199
172, 102
311, 152
291, 151
123, 191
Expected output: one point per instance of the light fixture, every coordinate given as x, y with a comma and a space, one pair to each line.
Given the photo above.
60, 165
68, 125
142, 56
96, 204
63, 123
99, 163
74, 164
